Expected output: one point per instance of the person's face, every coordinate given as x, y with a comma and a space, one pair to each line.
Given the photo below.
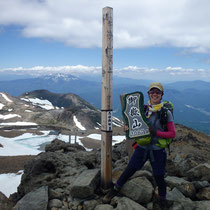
155, 96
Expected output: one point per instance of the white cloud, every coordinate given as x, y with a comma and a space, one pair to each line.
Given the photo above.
46, 70
167, 74
176, 23
164, 74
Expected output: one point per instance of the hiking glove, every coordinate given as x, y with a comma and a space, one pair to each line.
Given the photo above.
134, 145
152, 130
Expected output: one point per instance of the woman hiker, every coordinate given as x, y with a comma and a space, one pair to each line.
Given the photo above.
151, 151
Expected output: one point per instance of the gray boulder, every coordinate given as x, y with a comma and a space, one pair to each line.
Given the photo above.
144, 173
104, 207
186, 205
138, 189
202, 205
5, 203
85, 184
122, 203
55, 203
200, 184
176, 195
179, 165
200, 172
55, 169
90, 204
204, 194
187, 188
58, 145
56, 194
126, 203
179, 201
183, 205
35, 200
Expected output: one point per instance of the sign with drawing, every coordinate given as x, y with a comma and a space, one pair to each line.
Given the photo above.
133, 115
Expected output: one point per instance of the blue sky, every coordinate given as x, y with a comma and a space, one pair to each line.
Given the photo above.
153, 39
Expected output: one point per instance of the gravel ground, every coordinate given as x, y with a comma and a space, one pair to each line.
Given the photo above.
13, 164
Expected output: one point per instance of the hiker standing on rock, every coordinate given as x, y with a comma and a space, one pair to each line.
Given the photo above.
155, 150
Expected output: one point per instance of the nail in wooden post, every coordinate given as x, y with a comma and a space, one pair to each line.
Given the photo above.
106, 99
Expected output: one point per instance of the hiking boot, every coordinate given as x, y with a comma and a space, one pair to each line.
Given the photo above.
160, 204
156, 205
163, 204
108, 197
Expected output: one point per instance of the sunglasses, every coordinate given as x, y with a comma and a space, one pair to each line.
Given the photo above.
155, 91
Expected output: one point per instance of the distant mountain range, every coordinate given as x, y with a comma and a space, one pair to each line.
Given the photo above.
191, 99
196, 85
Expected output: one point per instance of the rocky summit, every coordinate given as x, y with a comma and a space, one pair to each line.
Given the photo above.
66, 176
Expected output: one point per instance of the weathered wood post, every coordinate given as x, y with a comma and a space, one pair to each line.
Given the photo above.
75, 139
69, 138
106, 99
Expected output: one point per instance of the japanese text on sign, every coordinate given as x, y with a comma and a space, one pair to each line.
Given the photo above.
133, 112
109, 121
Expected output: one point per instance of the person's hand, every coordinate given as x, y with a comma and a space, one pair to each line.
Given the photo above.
152, 130
134, 145
126, 128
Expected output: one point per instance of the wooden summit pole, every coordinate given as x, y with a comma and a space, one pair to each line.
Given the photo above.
106, 99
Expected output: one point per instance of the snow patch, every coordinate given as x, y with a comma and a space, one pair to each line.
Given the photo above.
1, 106
13, 148
98, 124
9, 182
116, 124
18, 123
78, 124
28, 110
95, 136
117, 119
8, 116
5, 97
115, 139
45, 104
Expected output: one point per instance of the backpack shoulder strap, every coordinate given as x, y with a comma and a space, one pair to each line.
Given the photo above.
168, 105
163, 116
